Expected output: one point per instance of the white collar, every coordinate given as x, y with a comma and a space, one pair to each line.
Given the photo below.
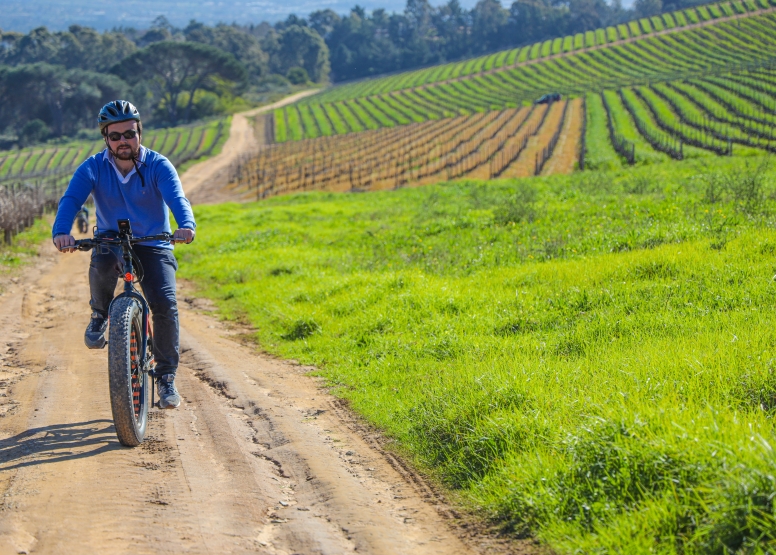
124, 178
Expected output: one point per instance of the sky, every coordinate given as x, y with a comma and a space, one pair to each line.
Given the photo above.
24, 15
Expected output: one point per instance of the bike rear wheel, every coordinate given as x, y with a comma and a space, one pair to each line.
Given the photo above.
129, 385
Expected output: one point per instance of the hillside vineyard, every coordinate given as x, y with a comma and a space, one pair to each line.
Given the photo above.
54, 165
695, 83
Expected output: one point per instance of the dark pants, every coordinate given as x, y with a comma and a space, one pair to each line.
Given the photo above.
159, 288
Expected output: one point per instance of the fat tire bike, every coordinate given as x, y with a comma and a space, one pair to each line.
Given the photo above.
130, 338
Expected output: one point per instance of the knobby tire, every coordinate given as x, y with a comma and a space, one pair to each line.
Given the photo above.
128, 384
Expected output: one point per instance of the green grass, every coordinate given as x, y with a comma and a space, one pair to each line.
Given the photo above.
349, 118
294, 128
625, 126
320, 118
216, 134
600, 154
280, 126
25, 246
308, 122
587, 360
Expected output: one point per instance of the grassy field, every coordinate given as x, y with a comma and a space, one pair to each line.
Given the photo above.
25, 246
584, 359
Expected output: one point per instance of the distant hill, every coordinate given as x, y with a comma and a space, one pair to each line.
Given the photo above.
24, 15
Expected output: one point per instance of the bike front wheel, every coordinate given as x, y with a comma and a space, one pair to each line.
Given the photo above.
129, 385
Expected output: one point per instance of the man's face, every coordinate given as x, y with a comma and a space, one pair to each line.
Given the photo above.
124, 149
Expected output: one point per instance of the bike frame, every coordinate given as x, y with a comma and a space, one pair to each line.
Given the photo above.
130, 291
124, 239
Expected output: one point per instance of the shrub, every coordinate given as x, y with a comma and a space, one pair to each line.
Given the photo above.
297, 76
34, 131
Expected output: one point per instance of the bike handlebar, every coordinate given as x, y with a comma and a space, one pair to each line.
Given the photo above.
88, 244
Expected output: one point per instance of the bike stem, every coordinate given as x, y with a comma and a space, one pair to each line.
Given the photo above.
130, 291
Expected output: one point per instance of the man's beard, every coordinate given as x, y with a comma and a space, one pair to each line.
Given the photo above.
125, 153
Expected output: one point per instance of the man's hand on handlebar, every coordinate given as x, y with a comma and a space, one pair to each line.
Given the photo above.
183, 235
65, 243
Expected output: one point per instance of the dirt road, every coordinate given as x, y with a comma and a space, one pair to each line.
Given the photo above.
203, 182
258, 458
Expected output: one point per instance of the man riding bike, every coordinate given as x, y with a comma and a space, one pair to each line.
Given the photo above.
129, 181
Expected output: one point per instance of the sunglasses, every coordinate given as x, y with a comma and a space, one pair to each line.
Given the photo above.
129, 134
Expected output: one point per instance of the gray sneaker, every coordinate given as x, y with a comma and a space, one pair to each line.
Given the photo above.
169, 398
94, 337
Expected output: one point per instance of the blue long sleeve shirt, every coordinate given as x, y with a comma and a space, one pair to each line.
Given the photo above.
124, 197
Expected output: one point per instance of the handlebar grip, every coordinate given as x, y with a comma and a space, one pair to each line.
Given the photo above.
84, 245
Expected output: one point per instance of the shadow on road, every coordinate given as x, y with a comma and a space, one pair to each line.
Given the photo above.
58, 442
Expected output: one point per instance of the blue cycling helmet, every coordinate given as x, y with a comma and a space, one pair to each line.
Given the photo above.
116, 111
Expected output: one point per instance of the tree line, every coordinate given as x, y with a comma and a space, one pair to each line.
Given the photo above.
53, 83
363, 44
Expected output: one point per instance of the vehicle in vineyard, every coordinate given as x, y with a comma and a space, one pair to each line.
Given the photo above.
547, 98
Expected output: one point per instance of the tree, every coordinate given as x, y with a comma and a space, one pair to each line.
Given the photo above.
298, 47
297, 76
64, 100
648, 8
453, 24
78, 47
536, 20
323, 22
586, 15
239, 43
33, 132
489, 25
175, 68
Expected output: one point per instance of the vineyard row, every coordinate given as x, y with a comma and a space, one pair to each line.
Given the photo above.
737, 45
508, 143
645, 27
